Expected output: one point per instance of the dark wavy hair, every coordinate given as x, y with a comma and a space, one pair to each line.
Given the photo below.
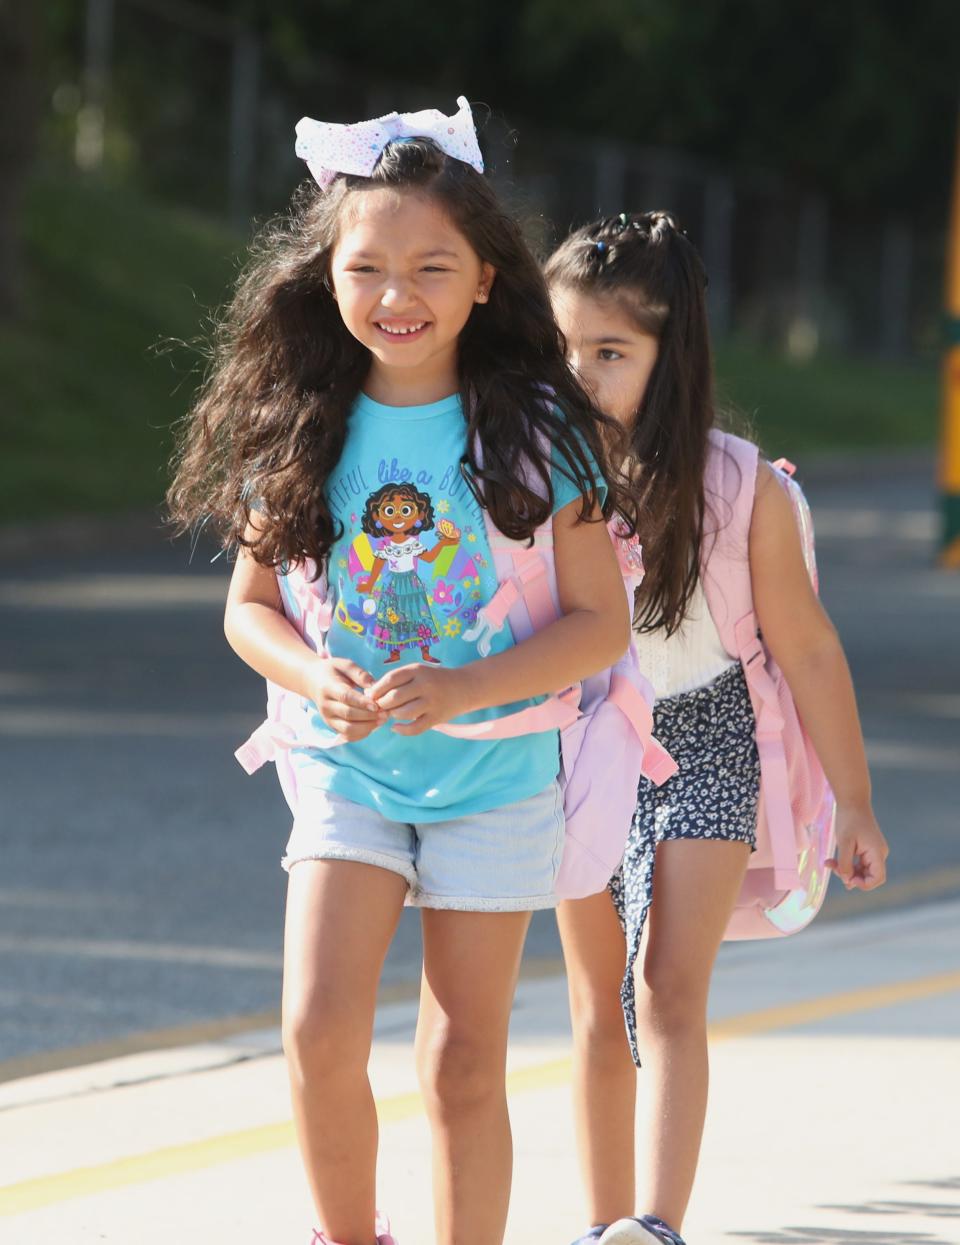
270, 421
422, 501
653, 271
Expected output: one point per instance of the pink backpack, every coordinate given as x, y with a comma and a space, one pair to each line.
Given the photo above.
605, 722
787, 876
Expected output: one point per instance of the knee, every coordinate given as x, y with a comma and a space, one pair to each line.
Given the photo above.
319, 1040
599, 1033
671, 1001
459, 1069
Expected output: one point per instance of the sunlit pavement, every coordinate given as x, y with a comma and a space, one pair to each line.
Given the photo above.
833, 1121
141, 896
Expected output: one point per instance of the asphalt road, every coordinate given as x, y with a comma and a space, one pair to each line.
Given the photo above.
140, 888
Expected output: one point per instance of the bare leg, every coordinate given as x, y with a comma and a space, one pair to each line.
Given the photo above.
604, 1077
341, 917
471, 963
696, 885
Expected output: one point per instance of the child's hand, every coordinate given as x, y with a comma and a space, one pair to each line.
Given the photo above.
861, 855
420, 696
340, 690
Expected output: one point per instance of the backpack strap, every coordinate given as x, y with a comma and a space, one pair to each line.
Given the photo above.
528, 584
263, 744
305, 599
560, 711
773, 760
730, 485
555, 713
658, 765
526, 598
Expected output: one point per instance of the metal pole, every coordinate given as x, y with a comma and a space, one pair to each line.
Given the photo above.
810, 278
896, 262
950, 439
611, 179
91, 118
243, 124
718, 215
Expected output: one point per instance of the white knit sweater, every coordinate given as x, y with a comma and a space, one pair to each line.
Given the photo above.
692, 657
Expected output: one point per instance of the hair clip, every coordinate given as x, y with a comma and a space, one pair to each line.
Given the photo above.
624, 220
600, 247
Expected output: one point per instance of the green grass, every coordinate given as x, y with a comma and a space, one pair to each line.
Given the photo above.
88, 401
88, 395
830, 403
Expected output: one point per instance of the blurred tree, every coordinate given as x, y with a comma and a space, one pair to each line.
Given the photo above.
18, 126
855, 99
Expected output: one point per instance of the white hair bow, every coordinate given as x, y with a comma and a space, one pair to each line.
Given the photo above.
330, 149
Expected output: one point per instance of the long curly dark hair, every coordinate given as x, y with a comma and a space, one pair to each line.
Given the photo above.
422, 502
647, 263
270, 421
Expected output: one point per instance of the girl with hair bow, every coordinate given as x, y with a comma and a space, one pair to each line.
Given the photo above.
394, 330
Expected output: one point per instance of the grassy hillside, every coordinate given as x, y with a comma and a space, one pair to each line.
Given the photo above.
831, 403
87, 401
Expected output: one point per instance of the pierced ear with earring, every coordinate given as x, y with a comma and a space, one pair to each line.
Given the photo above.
482, 295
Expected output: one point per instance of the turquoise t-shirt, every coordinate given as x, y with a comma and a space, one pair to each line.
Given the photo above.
407, 579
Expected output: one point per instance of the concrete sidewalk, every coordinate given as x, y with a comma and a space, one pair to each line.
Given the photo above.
834, 1115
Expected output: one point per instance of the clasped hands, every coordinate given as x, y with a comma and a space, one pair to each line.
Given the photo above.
416, 697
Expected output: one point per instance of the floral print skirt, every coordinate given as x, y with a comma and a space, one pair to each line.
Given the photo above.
404, 616
710, 732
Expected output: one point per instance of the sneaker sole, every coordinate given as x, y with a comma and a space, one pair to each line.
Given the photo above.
630, 1232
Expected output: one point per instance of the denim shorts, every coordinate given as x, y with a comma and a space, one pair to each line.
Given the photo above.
503, 860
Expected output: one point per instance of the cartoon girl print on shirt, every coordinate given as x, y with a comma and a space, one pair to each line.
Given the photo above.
399, 514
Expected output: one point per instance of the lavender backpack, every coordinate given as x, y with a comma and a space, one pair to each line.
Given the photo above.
605, 722
787, 877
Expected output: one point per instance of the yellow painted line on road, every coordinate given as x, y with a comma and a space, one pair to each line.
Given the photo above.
791, 1015
941, 883
28, 1195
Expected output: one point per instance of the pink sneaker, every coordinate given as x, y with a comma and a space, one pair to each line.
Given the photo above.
384, 1235
382, 1229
